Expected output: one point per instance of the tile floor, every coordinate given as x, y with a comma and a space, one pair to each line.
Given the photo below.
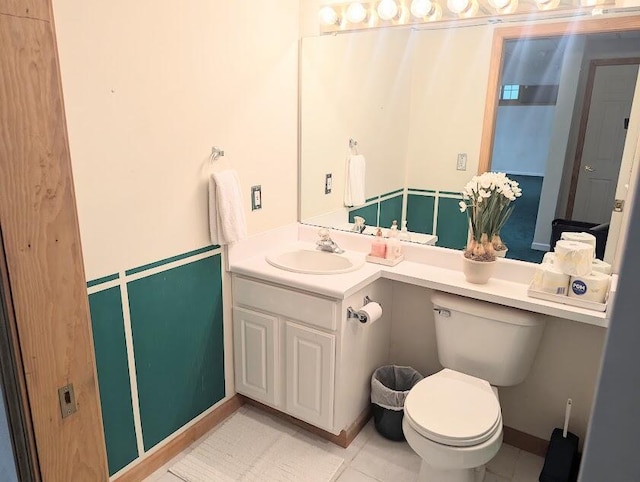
372, 458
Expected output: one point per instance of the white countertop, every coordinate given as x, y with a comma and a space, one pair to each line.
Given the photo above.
419, 273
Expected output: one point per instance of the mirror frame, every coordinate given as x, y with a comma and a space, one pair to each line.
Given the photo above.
532, 31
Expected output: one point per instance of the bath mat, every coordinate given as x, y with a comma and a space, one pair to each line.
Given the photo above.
250, 447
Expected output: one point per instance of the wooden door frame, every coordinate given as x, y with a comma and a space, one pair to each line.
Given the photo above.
532, 31
584, 120
44, 264
15, 384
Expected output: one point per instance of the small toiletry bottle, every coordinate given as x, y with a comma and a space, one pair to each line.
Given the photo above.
404, 232
378, 246
394, 249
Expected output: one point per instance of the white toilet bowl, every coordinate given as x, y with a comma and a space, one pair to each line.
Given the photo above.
454, 423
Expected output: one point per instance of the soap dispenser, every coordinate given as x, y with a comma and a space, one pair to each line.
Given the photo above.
378, 246
394, 248
404, 232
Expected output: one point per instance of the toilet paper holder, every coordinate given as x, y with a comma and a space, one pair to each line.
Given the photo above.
351, 313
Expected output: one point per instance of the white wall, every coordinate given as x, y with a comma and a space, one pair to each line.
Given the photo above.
150, 87
611, 449
448, 89
566, 365
353, 86
560, 128
522, 137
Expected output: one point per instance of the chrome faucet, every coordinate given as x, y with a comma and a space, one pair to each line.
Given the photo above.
325, 243
358, 224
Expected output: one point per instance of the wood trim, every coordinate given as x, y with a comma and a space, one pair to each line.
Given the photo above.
524, 441
491, 102
43, 252
584, 120
24, 417
164, 454
597, 25
343, 439
33, 9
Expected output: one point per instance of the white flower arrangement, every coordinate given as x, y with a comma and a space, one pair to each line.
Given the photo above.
487, 202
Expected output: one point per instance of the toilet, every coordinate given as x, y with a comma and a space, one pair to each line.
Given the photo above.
452, 419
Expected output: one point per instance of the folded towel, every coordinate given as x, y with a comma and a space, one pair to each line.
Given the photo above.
354, 181
227, 223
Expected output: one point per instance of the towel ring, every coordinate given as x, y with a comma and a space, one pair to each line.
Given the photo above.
352, 145
216, 153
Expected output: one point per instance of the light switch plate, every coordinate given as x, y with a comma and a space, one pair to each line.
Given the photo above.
256, 197
328, 183
461, 165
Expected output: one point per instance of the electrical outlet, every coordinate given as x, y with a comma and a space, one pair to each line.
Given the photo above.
328, 184
461, 165
256, 197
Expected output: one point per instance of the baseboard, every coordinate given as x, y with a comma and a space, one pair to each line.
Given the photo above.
524, 441
153, 462
343, 439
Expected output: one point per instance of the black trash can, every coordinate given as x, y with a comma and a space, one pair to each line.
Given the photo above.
600, 231
390, 386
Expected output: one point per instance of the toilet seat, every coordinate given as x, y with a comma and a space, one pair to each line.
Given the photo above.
454, 409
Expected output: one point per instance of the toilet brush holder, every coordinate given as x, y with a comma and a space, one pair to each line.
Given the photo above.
561, 453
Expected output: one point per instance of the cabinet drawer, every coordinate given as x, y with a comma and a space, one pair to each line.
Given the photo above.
312, 310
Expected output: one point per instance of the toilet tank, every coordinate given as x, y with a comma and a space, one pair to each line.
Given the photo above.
486, 340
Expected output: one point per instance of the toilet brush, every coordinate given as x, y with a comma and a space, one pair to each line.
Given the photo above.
561, 454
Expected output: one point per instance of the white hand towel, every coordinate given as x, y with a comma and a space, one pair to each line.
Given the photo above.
227, 223
354, 181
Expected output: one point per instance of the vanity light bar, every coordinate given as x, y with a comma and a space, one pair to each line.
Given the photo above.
385, 13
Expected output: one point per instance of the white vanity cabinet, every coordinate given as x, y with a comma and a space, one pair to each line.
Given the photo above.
299, 353
255, 354
310, 364
285, 349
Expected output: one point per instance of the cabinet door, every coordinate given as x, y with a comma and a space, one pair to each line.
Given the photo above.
310, 360
255, 353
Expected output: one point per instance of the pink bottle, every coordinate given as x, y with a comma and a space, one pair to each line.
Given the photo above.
378, 246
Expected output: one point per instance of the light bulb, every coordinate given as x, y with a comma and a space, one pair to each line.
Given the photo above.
499, 4
421, 8
588, 3
547, 4
356, 13
328, 16
504, 6
387, 9
458, 6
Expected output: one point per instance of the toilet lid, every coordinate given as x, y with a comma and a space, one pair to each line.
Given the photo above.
452, 408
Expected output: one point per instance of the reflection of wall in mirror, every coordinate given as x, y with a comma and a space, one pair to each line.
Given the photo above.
352, 86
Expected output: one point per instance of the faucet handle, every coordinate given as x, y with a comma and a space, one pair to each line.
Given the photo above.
324, 234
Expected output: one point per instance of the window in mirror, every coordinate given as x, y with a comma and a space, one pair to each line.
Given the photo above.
510, 92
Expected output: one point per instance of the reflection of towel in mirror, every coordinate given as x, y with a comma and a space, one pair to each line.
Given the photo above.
227, 223
354, 181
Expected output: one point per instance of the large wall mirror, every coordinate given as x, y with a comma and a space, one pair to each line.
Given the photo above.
551, 104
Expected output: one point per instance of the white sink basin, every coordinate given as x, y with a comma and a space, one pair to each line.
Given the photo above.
313, 261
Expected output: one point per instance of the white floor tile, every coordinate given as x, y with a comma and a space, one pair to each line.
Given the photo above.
387, 461
372, 458
168, 477
528, 467
504, 463
353, 475
489, 477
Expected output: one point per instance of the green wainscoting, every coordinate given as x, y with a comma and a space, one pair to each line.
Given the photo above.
113, 377
176, 320
420, 213
452, 227
369, 213
390, 210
